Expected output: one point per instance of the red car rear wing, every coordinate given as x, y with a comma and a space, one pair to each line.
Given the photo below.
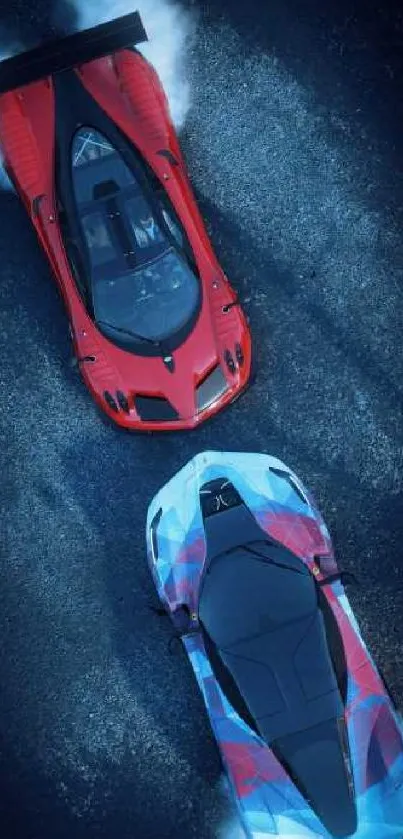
68, 52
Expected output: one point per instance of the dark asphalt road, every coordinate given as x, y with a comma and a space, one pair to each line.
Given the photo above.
294, 145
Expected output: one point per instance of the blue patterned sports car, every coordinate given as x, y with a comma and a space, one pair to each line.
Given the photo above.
308, 733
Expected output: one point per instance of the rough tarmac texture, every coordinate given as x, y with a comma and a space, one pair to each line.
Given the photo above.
294, 149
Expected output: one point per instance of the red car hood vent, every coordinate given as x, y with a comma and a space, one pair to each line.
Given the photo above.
211, 388
154, 409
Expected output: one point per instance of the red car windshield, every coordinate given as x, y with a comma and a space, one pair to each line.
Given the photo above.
141, 281
155, 300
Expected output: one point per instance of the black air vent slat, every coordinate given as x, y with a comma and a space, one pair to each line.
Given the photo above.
281, 473
154, 532
155, 409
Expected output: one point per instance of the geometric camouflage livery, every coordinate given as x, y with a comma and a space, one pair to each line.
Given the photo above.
268, 802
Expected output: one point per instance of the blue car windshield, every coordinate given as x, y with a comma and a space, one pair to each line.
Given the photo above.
142, 282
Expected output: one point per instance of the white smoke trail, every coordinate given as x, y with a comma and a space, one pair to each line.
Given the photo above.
169, 28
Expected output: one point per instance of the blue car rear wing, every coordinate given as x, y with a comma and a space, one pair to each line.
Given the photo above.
65, 53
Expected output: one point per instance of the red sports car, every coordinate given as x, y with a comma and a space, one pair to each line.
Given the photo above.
88, 142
